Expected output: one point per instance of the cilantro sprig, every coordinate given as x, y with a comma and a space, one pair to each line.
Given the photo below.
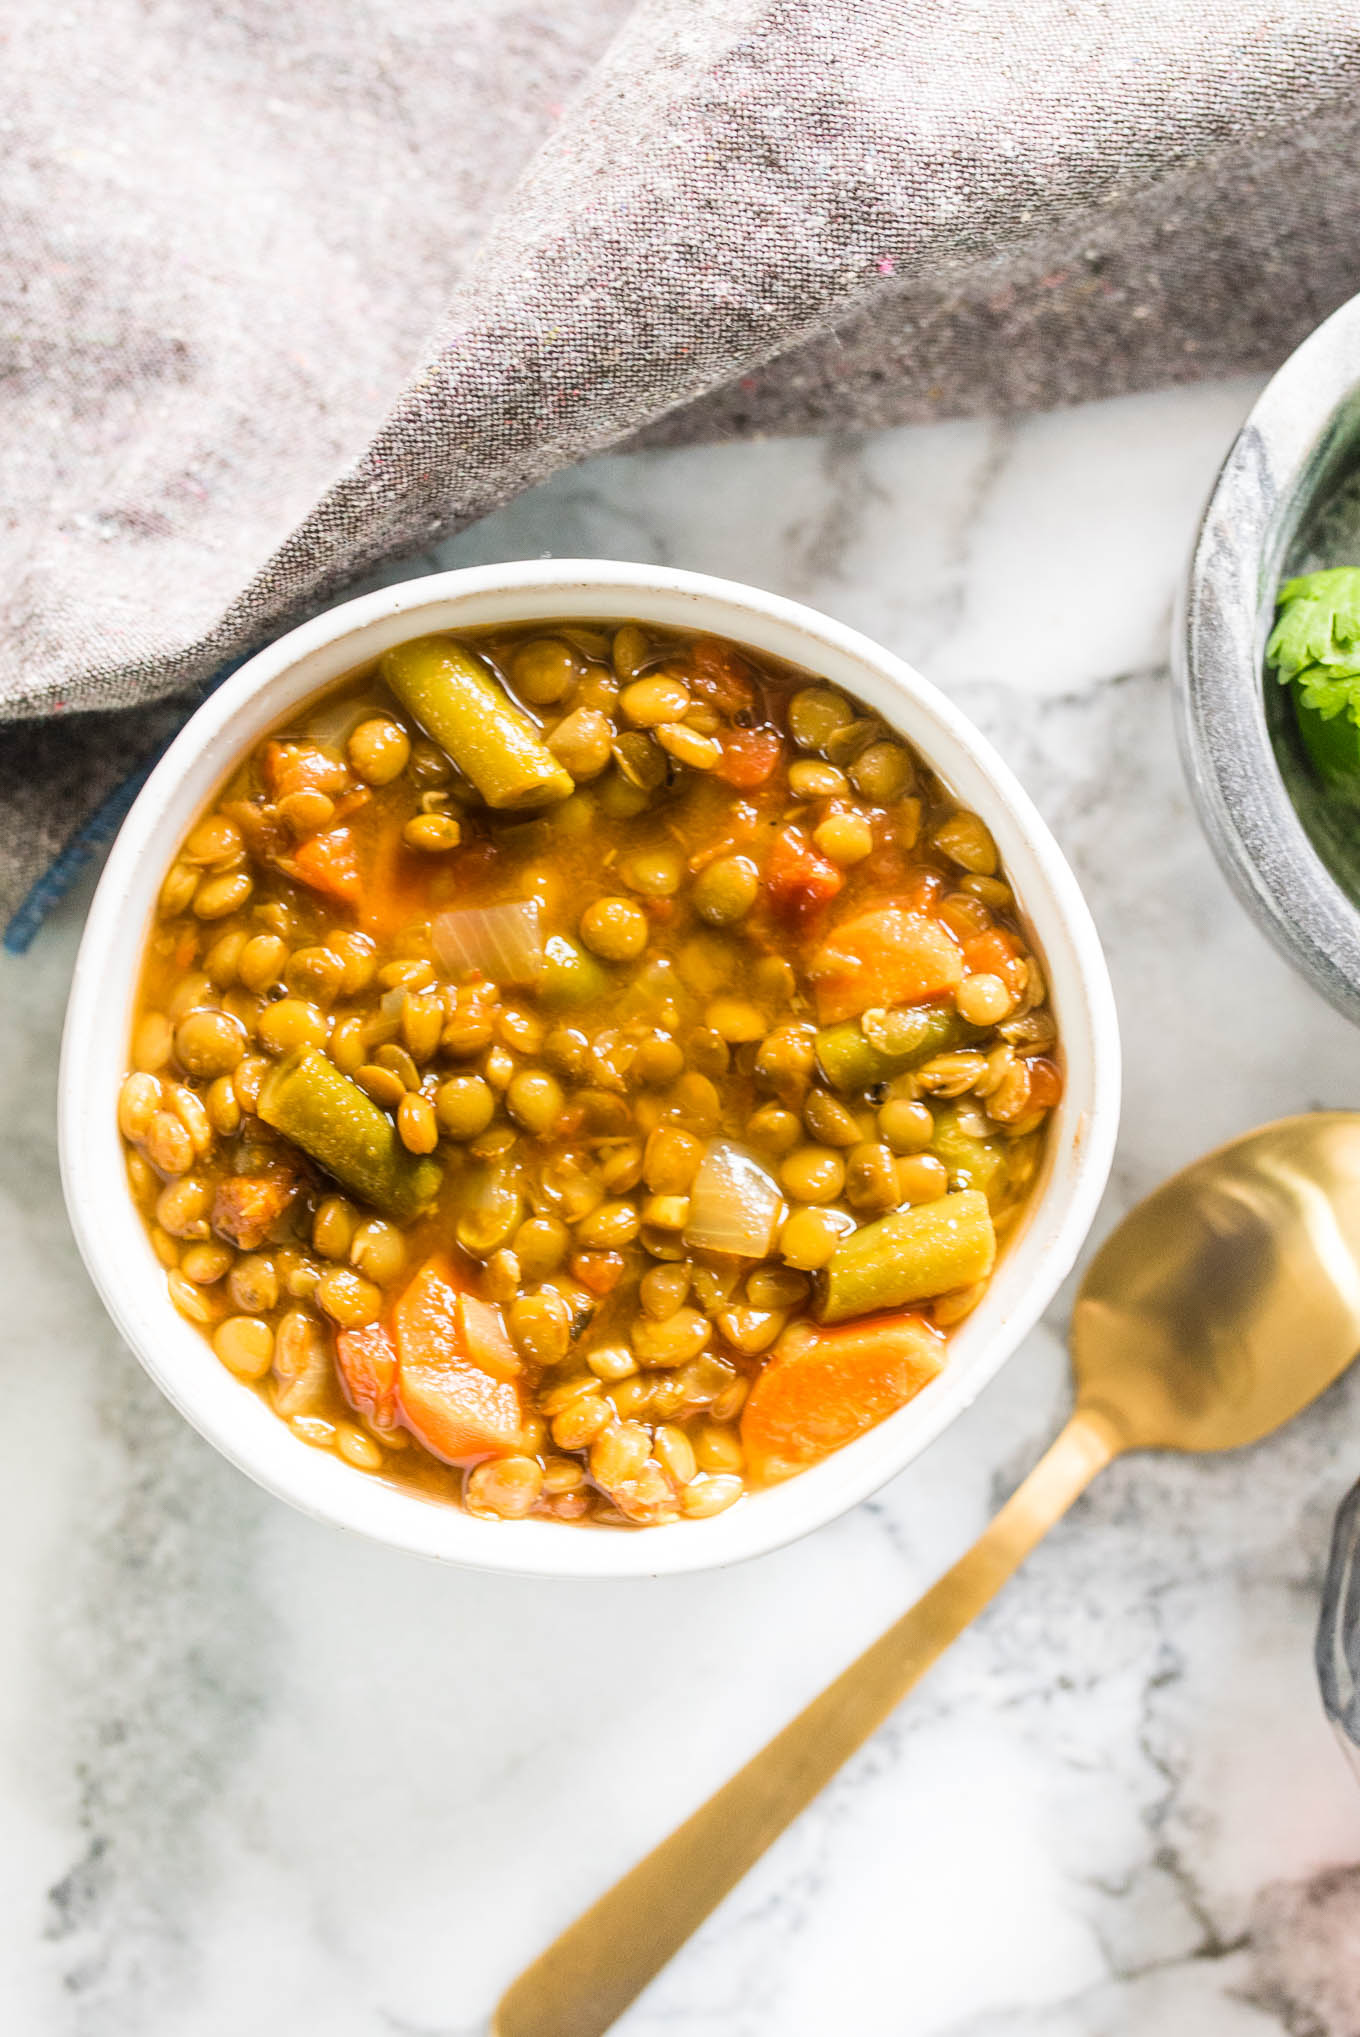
1315, 644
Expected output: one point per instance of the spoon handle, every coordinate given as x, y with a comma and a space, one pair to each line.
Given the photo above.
588, 1976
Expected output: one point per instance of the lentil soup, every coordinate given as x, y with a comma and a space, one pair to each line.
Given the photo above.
585, 1071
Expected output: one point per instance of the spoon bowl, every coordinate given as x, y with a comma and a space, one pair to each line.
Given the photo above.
1229, 1298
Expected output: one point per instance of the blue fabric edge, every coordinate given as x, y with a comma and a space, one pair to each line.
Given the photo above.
94, 834
49, 890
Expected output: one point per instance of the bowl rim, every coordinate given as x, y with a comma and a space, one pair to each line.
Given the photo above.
109, 1230
1283, 457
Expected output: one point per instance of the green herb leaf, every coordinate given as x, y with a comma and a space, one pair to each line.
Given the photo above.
1318, 624
1330, 691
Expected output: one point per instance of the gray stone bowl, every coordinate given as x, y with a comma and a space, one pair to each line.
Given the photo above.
1287, 499
1338, 1640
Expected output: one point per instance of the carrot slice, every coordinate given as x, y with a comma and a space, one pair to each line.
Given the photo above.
485, 1339
455, 1408
328, 864
822, 1388
798, 880
748, 757
885, 957
368, 1369
600, 1272
459, 1412
301, 767
425, 1319
398, 889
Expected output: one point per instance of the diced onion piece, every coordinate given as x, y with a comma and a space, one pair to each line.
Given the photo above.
504, 943
333, 726
734, 1206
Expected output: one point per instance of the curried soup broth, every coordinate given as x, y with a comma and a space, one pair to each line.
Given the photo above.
585, 1071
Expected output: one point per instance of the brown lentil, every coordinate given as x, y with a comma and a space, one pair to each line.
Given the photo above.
416, 1123
205, 1264
168, 1145
883, 773
333, 1227
847, 838
815, 714
813, 1173
245, 1345
347, 1298
379, 750
717, 1447
808, 1238
905, 1126
138, 1101
188, 1299
290, 1026
583, 742
182, 1207
357, 1448
615, 929
152, 1042
378, 1251
432, 834
704, 1497
254, 1285
261, 962
725, 890
215, 897
983, 1000
966, 841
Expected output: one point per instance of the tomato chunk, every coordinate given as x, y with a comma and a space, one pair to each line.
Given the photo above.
886, 957
454, 1407
798, 879
822, 1388
748, 757
1045, 1083
246, 1207
368, 1368
721, 676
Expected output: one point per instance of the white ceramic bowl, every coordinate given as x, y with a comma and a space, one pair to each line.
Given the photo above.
110, 1231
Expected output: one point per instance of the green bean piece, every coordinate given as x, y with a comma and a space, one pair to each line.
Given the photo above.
910, 1255
570, 976
851, 1061
972, 1162
307, 1099
458, 703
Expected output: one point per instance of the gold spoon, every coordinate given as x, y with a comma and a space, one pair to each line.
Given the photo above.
1220, 1307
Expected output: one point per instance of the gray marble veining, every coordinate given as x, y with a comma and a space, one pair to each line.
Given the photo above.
259, 1778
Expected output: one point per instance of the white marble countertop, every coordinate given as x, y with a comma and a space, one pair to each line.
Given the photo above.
257, 1780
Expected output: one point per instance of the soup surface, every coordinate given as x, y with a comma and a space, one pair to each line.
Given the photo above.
584, 1070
